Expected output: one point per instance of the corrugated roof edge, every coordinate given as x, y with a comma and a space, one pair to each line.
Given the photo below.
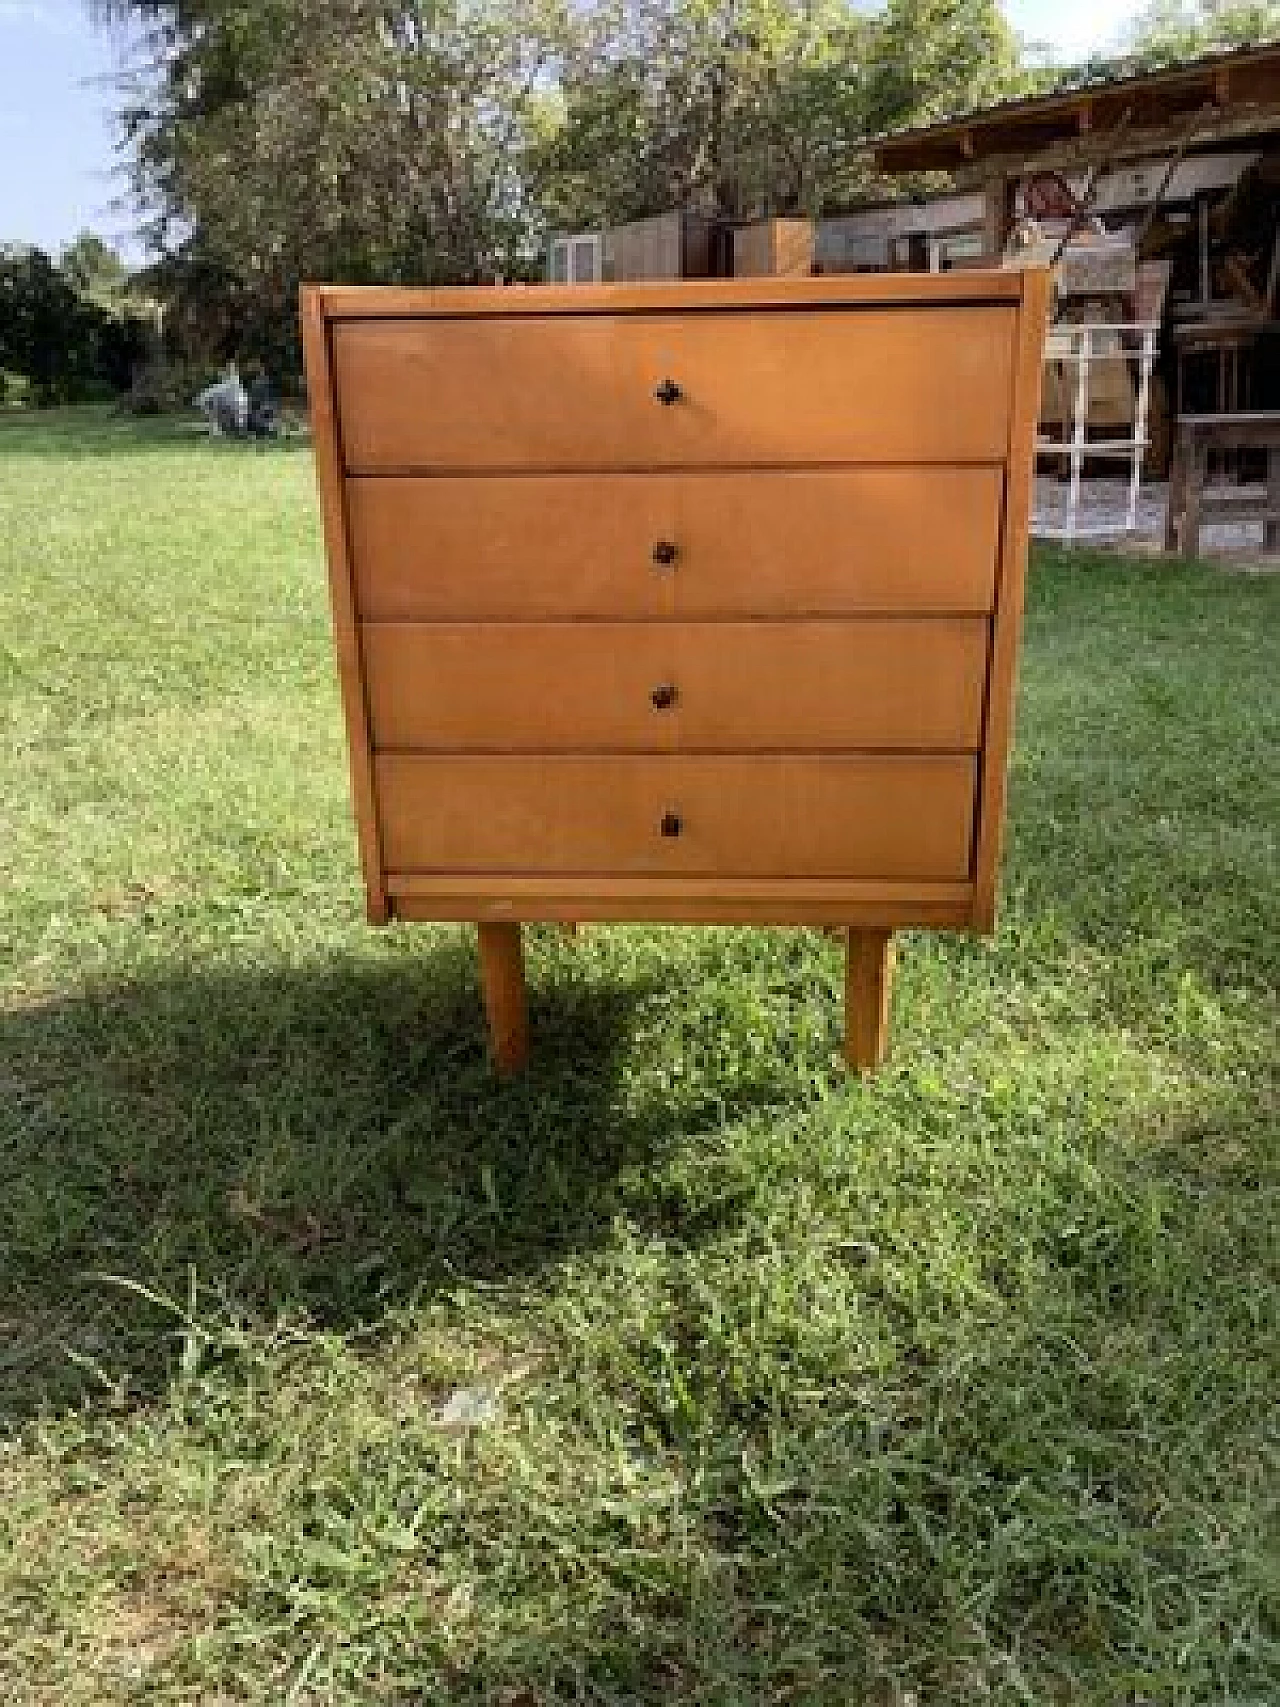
1094, 75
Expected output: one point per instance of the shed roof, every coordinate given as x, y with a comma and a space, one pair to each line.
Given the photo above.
1096, 100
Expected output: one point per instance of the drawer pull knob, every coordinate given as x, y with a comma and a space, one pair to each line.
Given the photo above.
664, 552
668, 392
672, 824
663, 696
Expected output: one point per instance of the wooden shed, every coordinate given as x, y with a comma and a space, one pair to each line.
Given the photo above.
678, 244
1139, 136
1181, 164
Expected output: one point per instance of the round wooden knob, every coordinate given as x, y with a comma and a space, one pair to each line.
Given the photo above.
663, 696
668, 392
672, 824
664, 552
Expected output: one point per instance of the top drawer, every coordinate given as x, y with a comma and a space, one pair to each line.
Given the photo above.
755, 387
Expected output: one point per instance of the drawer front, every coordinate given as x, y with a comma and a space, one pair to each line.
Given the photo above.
756, 388
768, 816
820, 542
730, 686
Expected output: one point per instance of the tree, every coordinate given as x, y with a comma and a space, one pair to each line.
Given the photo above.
93, 268
1170, 30
740, 105
756, 105
436, 140
70, 348
350, 139
933, 58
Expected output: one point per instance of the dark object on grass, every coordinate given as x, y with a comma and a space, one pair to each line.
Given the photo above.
263, 419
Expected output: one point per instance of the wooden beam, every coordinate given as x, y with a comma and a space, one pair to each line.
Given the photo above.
1205, 276
995, 216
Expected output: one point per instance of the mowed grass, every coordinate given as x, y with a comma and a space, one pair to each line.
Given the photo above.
955, 1386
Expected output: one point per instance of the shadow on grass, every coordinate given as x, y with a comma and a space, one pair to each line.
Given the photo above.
331, 1138
328, 1139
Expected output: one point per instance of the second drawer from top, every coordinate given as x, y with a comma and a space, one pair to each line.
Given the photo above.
796, 542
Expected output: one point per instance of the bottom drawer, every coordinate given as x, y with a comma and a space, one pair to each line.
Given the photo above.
810, 815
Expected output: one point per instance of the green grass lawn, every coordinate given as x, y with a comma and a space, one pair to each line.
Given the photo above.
956, 1386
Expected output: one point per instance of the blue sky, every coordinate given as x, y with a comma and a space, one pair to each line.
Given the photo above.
58, 172
57, 165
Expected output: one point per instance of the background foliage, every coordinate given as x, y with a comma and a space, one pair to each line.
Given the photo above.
69, 329
1176, 29
415, 142
437, 141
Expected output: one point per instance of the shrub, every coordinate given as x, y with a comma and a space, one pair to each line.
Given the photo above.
71, 349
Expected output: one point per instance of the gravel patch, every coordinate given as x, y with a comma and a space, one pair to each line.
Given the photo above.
1103, 505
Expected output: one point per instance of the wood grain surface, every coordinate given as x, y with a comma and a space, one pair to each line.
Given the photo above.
789, 815
881, 683
795, 542
755, 389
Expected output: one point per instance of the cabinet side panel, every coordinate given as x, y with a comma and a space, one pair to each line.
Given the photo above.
1028, 371
329, 475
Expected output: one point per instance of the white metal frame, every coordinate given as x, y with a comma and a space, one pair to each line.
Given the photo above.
565, 253
968, 245
1128, 341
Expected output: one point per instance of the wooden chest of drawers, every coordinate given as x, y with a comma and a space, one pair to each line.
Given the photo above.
682, 602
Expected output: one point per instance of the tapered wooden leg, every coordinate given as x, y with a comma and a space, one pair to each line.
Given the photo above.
505, 1004
868, 974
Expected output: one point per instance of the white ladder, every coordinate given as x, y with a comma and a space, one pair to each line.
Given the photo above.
1084, 347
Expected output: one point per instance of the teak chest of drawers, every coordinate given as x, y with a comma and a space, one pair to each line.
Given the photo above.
686, 602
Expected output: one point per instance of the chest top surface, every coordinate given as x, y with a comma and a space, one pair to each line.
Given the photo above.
683, 601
